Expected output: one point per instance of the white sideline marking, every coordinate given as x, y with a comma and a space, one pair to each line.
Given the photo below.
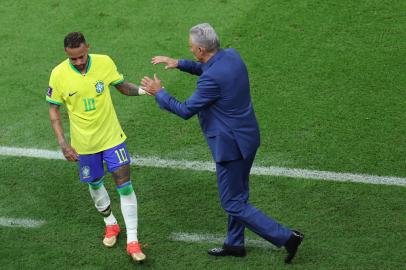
216, 239
209, 166
20, 222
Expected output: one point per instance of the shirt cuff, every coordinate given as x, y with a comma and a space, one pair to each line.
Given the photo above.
161, 92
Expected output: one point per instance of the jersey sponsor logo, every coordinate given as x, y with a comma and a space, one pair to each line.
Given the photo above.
99, 87
85, 172
72, 94
49, 91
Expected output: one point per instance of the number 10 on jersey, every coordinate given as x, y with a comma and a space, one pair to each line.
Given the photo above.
90, 104
121, 155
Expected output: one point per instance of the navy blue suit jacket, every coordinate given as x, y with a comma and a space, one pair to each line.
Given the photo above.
223, 103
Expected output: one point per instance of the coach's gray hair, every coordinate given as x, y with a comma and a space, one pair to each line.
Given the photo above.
204, 35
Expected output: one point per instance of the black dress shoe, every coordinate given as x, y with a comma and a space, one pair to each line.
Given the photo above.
227, 251
292, 245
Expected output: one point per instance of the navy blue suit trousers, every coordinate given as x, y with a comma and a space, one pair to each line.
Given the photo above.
233, 185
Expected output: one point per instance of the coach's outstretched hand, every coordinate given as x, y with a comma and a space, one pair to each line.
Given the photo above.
170, 62
152, 86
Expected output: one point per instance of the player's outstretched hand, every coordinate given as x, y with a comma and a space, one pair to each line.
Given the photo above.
170, 62
69, 152
152, 86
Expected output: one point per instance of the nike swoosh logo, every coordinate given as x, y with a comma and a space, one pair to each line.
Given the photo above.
71, 94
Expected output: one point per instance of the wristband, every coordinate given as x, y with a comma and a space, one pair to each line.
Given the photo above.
141, 91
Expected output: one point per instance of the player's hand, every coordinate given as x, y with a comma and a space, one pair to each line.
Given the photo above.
152, 86
69, 152
170, 62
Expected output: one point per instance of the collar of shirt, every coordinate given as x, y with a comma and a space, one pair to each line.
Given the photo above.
89, 63
213, 59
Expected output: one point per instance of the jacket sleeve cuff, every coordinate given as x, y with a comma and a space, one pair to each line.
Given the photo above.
161, 98
181, 64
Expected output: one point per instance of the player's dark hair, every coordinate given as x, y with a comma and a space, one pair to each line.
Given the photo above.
73, 40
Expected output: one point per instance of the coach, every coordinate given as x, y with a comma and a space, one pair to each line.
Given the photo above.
223, 104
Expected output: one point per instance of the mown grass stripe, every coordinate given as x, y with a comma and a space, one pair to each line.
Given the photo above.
209, 166
20, 222
216, 239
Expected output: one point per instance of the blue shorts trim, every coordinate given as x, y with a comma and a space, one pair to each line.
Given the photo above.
91, 167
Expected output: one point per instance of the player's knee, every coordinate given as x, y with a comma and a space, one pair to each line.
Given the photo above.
125, 189
121, 175
122, 180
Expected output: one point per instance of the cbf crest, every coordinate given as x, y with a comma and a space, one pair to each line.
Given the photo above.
99, 87
85, 172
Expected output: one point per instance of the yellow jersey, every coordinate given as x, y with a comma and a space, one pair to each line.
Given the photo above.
94, 126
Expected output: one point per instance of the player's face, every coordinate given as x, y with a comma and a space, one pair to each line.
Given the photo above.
78, 56
195, 50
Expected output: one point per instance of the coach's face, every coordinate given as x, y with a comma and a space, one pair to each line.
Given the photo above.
196, 50
78, 56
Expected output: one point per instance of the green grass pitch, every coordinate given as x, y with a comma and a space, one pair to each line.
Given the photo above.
347, 226
328, 86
